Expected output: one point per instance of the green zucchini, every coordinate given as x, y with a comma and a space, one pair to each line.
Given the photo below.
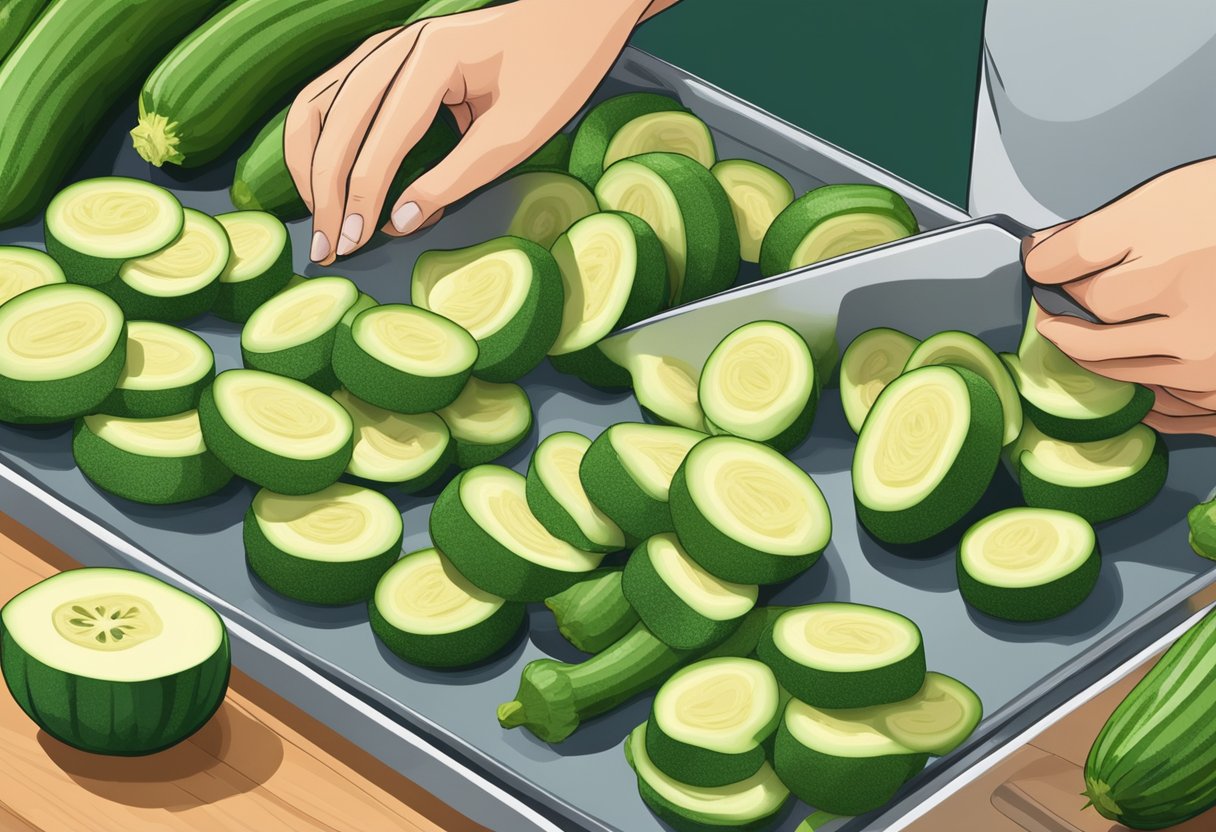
594, 613
292, 334
552, 155
22, 269
666, 388
16, 18
1201, 526
757, 195
556, 496
259, 266
410, 451
165, 372
547, 203
487, 420
873, 360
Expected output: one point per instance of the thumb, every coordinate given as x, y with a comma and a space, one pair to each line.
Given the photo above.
1075, 249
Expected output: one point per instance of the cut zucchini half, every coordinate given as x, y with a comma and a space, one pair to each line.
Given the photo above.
157, 461
833, 220
113, 661
683, 605
403, 358
556, 496
873, 360
746, 806
757, 195
292, 334
259, 265
632, 124
689, 212
926, 453
22, 269
840, 765
165, 372
549, 202
666, 388
709, 721
482, 522
276, 432
1028, 564
94, 226
839, 655
62, 349
760, 383
627, 472
328, 548
181, 280
487, 420
746, 513
427, 613
507, 293
410, 451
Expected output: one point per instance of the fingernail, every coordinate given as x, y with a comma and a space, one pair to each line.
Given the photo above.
407, 218
320, 247
352, 230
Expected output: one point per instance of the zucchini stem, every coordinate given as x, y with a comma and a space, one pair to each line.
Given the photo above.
155, 139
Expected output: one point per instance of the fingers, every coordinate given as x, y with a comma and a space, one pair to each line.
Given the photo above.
1168, 403
1182, 424
1033, 239
1122, 293
1167, 372
1085, 341
1201, 400
1083, 247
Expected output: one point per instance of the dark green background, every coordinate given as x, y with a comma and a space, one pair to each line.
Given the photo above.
894, 82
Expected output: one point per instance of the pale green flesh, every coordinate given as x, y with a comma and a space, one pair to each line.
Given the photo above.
163, 357
1025, 547
844, 234
167, 436
189, 263
557, 461
364, 301
488, 413
257, 241
414, 340
873, 360
723, 705
707, 595
339, 524
934, 721
115, 218
298, 315
392, 447
550, 203
964, 350
598, 258
22, 269
757, 381
1084, 464
189, 631
667, 387
280, 415
667, 131
636, 189
828, 733
757, 195
844, 637
424, 594
484, 295
57, 332
652, 453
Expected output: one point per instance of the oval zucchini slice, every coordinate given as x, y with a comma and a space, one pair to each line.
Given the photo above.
873, 360
79, 648
757, 195
165, 372
594, 613
487, 420
746, 513
259, 264
292, 334
410, 451
547, 203
666, 389
275, 431
328, 548
556, 496
22, 269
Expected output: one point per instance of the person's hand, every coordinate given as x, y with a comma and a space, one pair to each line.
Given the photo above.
1145, 265
512, 76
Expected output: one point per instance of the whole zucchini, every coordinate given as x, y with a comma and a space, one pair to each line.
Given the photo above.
62, 79
1154, 763
230, 72
16, 17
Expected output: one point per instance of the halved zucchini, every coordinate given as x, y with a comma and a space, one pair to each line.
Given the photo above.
409, 451
666, 388
549, 202
487, 420
872, 361
556, 496
165, 372
757, 195
22, 269
259, 265
292, 334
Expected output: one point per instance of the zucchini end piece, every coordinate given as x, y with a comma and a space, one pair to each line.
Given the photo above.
156, 140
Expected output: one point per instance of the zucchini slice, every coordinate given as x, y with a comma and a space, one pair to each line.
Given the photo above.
548, 203
757, 195
487, 420
709, 721
926, 453
666, 388
430, 615
155, 461
873, 360
292, 334
410, 451
750, 804
689, 212
507, 293
403, 358
760, 383
94, 226
259, 264
328, 548
839, 655
275, 431
594, 613
181, 280
165, 372
627, 472
113, 661
482, 522
746, 513
1028, 564
556, 496
62, 348
833, 220
22, 269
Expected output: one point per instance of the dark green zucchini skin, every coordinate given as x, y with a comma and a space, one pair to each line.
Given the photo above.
63, 78
1153, 764
16, 18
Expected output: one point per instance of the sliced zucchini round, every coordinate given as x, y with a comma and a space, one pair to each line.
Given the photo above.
627, 472
430, 615
259, 264
181, 280
487, 420
22, 269
683, 605
548, 202
635, 123
113, 661
757, 195
872, 361
482, 522
839, 655
592, 366
833, 220
328, 548
403, 358
556, 496
926, 453
689, 212
760, 383
165, 372
292, 334
746, 513
276, 432
507, 293
666, 388
410, 451
710, 719
62, 348
94, 226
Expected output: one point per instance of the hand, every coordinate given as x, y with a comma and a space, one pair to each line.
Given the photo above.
1145, 265
512, 76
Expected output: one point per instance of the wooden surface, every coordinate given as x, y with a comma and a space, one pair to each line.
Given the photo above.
259, 765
